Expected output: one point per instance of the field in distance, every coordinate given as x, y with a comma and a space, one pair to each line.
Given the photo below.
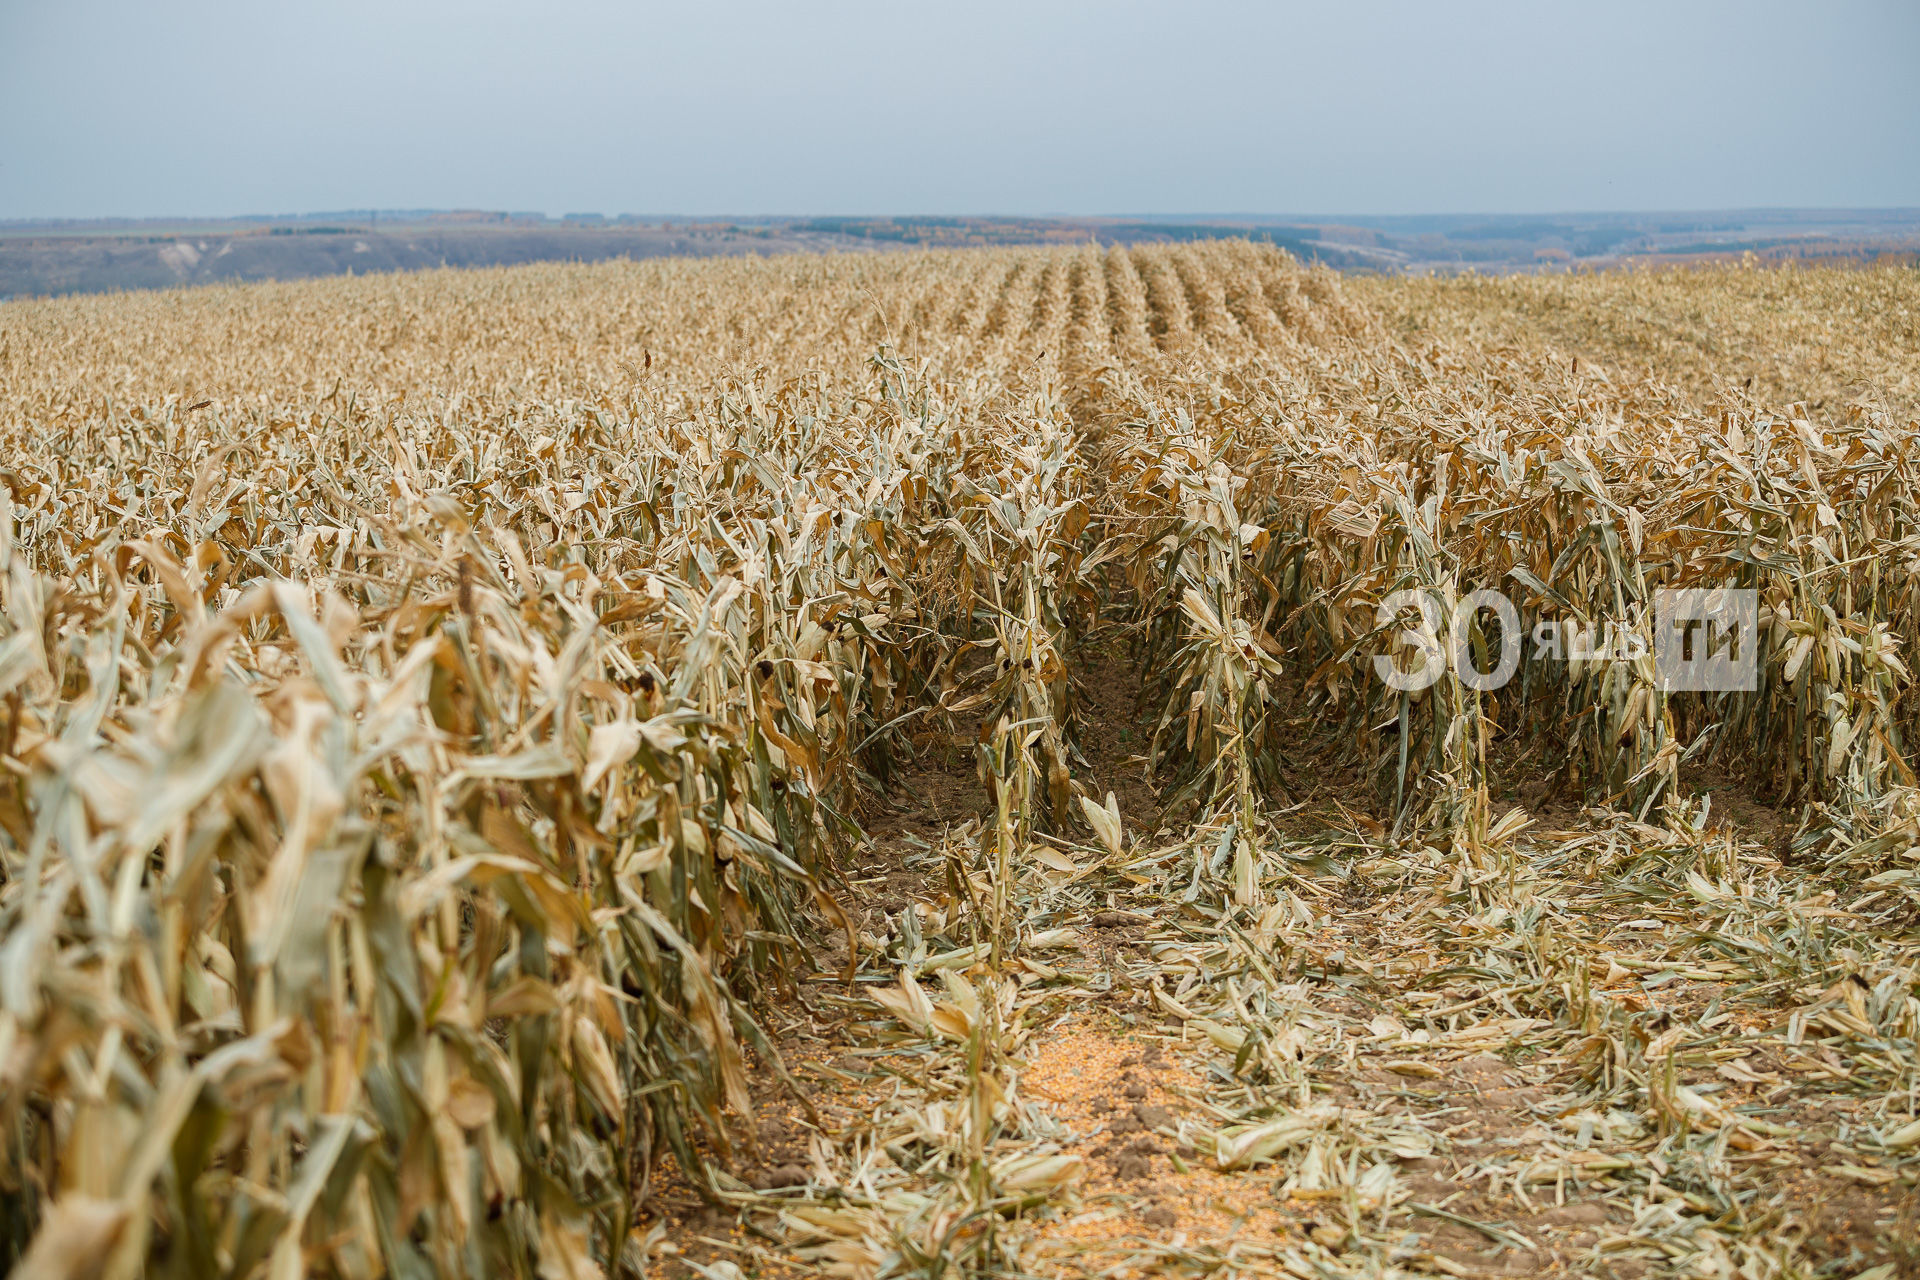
874, 765
51, 258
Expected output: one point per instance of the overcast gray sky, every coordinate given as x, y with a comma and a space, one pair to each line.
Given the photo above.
132, 107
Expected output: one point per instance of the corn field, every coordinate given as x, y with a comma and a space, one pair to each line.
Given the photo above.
450, 726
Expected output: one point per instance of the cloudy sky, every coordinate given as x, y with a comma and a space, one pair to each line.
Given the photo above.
128, 107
